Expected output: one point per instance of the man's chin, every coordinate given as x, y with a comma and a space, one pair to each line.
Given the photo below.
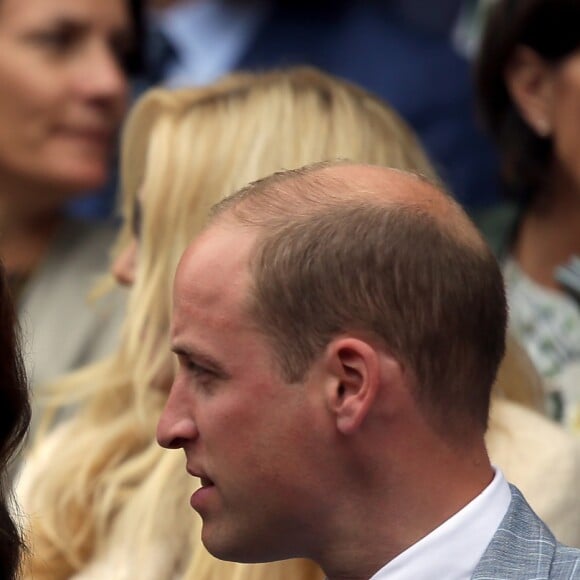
237, 549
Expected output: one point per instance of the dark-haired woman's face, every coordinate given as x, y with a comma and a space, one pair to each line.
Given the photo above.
564, 115
63, 90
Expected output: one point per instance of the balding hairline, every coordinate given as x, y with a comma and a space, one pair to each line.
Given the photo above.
307, 191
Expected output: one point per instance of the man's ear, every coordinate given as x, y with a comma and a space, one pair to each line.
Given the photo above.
529, 80
357, 374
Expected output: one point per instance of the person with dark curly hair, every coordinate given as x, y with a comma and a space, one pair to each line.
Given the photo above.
14, 420
528, 84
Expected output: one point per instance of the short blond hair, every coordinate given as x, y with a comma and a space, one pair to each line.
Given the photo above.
335, 255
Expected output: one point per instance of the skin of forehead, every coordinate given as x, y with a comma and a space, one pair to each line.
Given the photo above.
217, 243
43, 7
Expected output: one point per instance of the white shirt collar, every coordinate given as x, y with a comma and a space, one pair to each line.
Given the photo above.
453, 550
209, 37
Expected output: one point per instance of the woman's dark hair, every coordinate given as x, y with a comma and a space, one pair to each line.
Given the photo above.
552, 29
14, 420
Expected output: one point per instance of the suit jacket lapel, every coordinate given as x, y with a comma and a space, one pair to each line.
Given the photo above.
522, 545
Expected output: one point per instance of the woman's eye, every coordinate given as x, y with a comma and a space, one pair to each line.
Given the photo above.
136, 221
122, 50
57, 40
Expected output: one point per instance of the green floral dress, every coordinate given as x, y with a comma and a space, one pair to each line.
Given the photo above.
547, 324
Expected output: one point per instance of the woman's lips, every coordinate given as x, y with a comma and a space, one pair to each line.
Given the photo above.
95, 136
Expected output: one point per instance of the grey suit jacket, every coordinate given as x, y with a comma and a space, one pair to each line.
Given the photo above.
523, 548
61, 329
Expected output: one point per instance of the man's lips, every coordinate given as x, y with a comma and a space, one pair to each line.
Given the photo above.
201, 499
203, 478
206, 482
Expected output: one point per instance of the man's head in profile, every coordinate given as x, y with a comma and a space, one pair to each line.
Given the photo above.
338, 330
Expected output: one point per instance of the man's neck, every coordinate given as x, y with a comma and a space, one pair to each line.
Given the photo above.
395, 516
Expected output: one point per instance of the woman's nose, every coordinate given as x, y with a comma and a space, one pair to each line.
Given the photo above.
124, 266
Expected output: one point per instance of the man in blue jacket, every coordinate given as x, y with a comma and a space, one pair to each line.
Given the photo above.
400, 50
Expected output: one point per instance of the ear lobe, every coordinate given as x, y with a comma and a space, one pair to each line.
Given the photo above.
354, 382
528, 78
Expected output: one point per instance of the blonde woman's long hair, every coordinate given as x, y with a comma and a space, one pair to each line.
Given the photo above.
105, 501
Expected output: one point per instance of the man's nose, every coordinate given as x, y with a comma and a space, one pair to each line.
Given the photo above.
176, 427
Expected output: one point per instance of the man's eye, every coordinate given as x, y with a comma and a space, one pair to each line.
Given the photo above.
201, 373
198, 371
195, 368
